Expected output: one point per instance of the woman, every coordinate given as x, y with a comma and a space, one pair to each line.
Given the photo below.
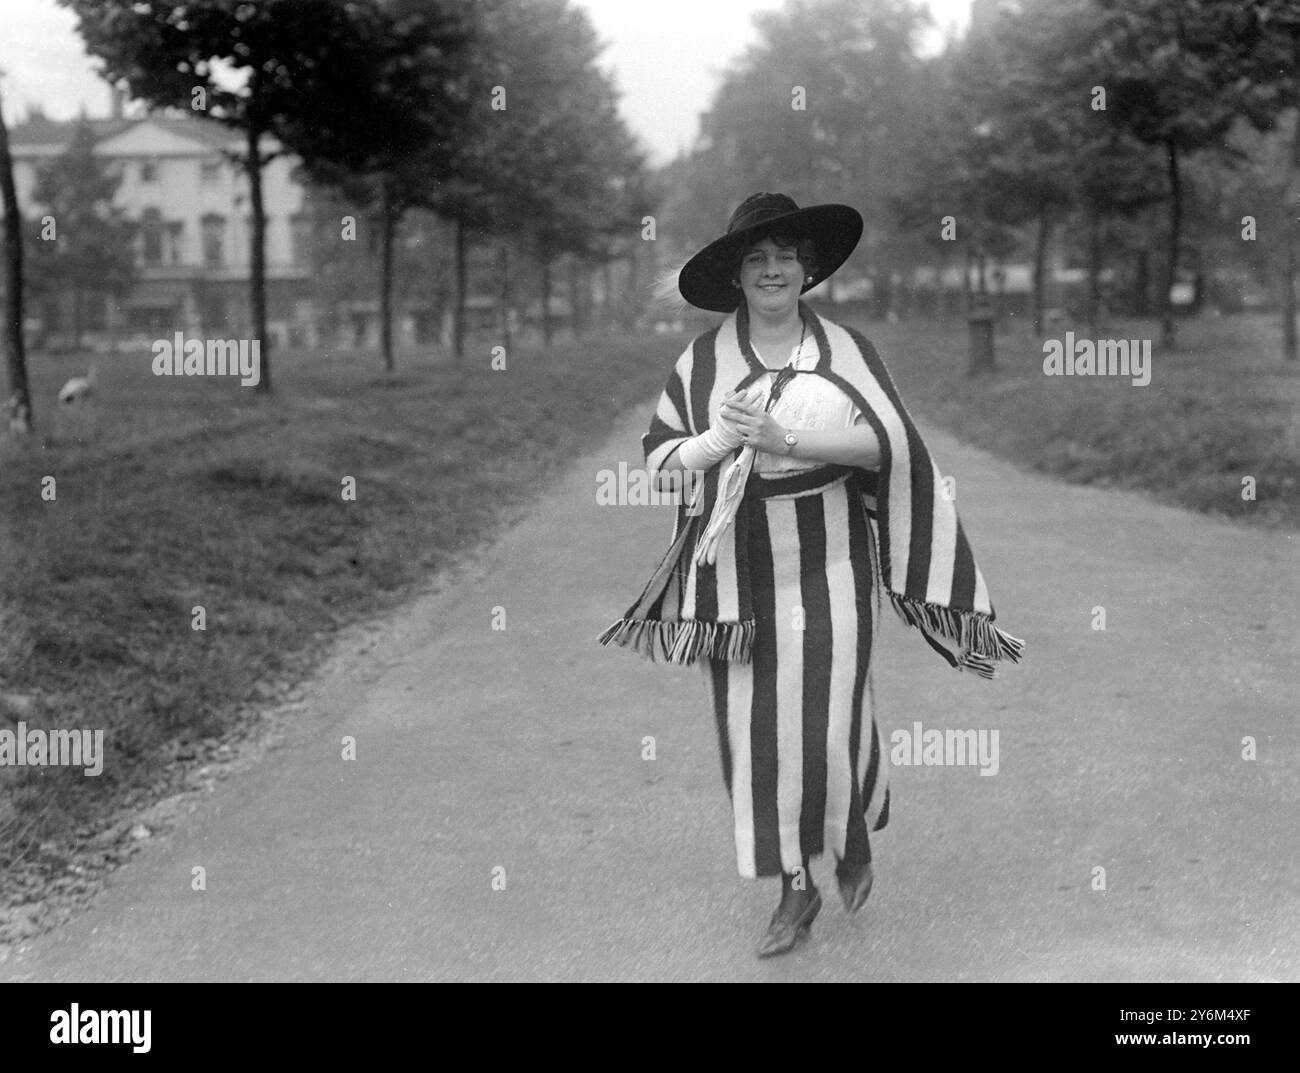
817, 496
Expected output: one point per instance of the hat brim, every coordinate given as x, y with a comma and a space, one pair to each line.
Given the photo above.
705, 280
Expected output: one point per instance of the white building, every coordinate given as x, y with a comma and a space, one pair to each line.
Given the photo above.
193, 246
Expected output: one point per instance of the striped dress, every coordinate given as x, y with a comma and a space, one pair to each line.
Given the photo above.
780, 600
801, 751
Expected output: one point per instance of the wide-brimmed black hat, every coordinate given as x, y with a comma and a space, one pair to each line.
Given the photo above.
706, 279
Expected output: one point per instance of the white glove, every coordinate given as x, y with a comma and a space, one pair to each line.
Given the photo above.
731, 490
712, 445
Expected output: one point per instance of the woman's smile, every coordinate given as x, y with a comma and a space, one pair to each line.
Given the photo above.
771, 275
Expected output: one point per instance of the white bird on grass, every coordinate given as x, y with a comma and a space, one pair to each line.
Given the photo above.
78, 389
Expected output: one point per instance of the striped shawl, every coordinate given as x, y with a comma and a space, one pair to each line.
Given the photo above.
692, 608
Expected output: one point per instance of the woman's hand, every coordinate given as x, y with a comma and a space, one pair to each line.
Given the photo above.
757, 427
725, 430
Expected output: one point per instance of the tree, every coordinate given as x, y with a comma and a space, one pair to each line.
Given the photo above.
548, 161
1265, 54
1020, 76
1173, 78
280, 68
418, 64
89, 250
818, 108
588, 202
20, 399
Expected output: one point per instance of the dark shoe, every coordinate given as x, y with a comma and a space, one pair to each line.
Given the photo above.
855, 888
786, 929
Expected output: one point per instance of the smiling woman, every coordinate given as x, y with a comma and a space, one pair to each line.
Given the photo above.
803, 250
775, 576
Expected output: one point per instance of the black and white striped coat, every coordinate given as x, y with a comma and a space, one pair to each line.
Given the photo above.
688, 610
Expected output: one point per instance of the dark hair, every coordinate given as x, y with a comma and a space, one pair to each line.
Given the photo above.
805, 250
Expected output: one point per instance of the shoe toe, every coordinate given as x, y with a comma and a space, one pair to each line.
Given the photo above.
855, 891
784, 932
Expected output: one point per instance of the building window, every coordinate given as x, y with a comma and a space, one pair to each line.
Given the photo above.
214, 240
175, 229
151, 233
301, 235
212, 309
149, 172
209, 172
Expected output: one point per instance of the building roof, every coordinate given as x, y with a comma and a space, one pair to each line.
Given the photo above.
38, 135
210, 132
39, 131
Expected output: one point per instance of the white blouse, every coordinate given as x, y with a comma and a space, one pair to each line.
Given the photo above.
806, 402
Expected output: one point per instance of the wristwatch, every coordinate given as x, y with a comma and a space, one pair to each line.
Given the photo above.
790, 440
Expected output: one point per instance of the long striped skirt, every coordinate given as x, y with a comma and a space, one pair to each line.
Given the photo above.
801, 752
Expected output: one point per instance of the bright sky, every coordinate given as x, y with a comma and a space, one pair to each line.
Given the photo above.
666, 57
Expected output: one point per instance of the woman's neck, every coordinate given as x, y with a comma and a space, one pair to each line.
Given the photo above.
764, 331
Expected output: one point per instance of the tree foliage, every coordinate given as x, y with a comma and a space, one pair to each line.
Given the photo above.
341, 81
90, 251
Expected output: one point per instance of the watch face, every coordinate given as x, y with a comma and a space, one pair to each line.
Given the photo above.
791, 438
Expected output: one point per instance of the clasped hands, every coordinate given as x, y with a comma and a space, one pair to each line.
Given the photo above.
744, 421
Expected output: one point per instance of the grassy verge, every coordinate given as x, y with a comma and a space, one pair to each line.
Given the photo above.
1221, 407
193, 492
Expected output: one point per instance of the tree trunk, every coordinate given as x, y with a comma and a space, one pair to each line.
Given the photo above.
577, 313
1142, 284
1040, 267
257, 267
21, 395
458, 326
607, 285
1168, 328
999, 295
630, 310
1289, 347
1289, 351
387, 234
76, 315
503, 264
546, 301
1094, 265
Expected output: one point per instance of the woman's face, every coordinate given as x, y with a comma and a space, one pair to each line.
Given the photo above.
771, 277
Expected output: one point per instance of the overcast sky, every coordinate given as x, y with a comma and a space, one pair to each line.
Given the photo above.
666, 57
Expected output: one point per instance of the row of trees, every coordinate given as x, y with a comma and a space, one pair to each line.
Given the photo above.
494, 114
1088, 111
1122, 131
1107, 125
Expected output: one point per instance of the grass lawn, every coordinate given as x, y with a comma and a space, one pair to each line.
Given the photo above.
197, 492
1221, 407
